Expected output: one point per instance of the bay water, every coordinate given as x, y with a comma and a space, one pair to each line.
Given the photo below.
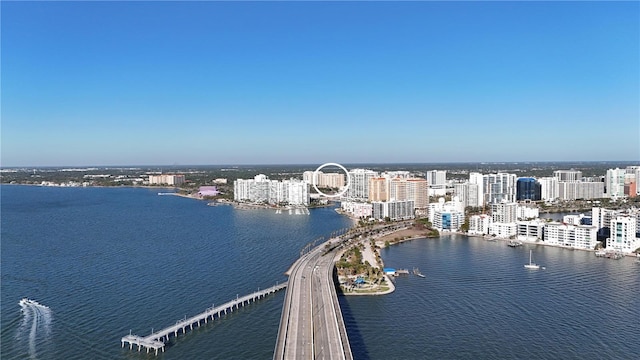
102, 262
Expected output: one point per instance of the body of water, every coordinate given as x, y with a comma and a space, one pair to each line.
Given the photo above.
103, 261
478, 301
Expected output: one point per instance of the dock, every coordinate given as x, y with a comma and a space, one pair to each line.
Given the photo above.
157, 340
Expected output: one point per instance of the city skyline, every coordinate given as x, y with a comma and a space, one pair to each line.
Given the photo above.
157, 83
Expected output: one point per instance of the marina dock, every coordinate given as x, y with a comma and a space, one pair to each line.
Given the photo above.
157, 340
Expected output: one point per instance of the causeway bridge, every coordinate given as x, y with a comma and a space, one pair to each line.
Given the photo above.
311, 326
156, 341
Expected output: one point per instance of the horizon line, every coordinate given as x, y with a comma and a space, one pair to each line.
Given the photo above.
314, 164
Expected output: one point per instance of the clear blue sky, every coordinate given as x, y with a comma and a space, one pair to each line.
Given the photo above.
135, 83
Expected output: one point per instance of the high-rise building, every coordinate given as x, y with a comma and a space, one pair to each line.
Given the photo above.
359, 188
479, 224
395, 210
499, 187
504, 212
623, 235
397, 189
437, 181
324, 180
470, 194
580, 190
446, 215
169, 179
548, 188
614, 182
263, 190
417, 190
568, 175
378, 189
528, 189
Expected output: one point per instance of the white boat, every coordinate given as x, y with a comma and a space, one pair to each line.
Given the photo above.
531, 264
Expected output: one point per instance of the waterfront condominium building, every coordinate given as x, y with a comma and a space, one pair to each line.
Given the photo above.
359, 188
624, 237
503, 230
530, 230
324, 180
168, 179
504, 212
262, 190
357, 209
395, 210
447, 215
378, 189
528, 189
479, 224
573, 236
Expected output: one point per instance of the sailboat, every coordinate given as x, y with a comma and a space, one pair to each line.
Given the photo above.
531, 264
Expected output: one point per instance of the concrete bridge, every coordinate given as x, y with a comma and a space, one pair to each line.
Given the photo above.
311, 326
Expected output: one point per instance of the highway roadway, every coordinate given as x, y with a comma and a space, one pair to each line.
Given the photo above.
311, 326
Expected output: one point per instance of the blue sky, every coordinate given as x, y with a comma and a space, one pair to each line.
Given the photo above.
161, 83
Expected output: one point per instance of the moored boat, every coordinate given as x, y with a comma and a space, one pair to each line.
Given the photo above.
531, 265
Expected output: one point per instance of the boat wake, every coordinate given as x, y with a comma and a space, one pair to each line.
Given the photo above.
36, 324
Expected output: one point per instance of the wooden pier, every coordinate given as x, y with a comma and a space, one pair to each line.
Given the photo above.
156, 341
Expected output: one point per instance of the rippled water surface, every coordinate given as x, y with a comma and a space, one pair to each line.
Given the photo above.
478, 302
104, 261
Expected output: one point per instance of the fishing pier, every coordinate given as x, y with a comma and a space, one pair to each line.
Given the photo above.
156, 341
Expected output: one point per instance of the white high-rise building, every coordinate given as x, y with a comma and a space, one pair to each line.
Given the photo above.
437, 181
499, 187
580, 190
568, 175
436, 177
548, 188
395, 210
357, 209
504, 212
614, 182
623, 236
470, 194
447, 215
359, 188
478, 179
479, 224
263, 190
